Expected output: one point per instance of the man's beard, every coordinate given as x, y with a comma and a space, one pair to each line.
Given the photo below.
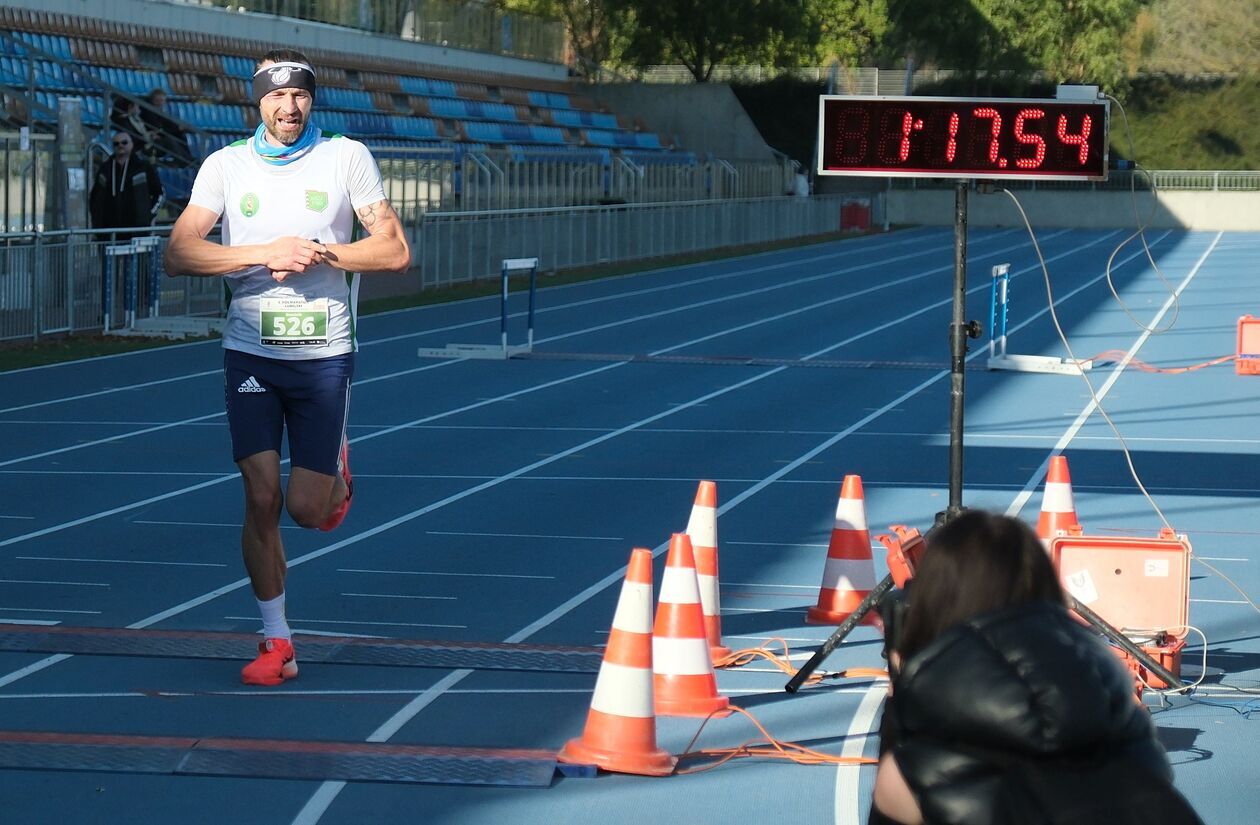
273, 129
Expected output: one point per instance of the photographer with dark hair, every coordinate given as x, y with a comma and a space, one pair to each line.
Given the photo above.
1003, 708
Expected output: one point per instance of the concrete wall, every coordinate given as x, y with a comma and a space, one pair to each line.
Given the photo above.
1232, 211
284, 31
704, 117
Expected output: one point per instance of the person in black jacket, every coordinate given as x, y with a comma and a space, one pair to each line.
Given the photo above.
1003, 708
126, 189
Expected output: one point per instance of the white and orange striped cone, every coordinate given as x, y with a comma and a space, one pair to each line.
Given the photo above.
1058, 509
849, 575
702, 530
683, 677
620, 733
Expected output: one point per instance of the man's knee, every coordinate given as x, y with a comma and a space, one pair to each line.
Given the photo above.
308, 503
264, 501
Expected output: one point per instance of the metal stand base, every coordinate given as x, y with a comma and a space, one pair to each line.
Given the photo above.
1039, 363
492, 352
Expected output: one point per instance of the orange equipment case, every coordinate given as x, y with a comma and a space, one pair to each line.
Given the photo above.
1140, 586
1248, 360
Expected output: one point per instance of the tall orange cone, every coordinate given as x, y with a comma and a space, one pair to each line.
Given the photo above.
683, 675
620, 733
1058, 509
702, 530
849, 575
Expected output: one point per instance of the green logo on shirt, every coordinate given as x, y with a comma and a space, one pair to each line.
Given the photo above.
249, 204
316, 201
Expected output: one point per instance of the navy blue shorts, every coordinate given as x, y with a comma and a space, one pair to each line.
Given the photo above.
311, 398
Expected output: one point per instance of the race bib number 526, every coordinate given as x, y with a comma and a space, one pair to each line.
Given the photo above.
292, 322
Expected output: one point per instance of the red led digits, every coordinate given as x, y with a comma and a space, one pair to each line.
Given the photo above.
1080, 140
851, 132
1031, 140
996, 131
952, 137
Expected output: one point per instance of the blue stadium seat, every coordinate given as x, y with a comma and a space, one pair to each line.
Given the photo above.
484, 132
547, 134
442, 88
415, 85
448, 107
235, 66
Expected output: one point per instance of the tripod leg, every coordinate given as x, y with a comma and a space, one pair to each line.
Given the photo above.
1129, 647
846, 627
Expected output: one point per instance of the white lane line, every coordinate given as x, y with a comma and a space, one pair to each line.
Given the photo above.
436, 573
397, 596
849, 777
128, 388
1220, 558
47, 610
779, 543
521, 535
110, 439
345, 621
39, 622
204, 524
1022, 498
57, 583
121, 561
1220, 601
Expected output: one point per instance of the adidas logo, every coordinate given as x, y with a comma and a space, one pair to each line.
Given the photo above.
251, 385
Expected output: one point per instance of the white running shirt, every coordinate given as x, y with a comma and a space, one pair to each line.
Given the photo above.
310, 314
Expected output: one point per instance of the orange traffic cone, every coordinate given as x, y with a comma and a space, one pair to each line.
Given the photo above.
1058, 510
849, 575
683, 675
620, 733
702, 530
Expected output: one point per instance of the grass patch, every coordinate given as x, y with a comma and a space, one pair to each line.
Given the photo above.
54, 350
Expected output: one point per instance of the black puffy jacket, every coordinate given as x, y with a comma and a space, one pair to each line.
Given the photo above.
1024, 717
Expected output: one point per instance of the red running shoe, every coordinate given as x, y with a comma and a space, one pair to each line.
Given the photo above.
343, 464
275, 663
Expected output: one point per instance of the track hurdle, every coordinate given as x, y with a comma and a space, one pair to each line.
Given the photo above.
999, 359
503, 350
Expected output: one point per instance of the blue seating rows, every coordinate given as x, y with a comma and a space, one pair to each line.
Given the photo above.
355, 112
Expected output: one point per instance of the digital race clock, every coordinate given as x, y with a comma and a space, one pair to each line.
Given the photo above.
955, 137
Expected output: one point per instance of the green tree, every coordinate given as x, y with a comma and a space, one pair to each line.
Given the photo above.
702, 34
849, 31
593, 26
1078, 41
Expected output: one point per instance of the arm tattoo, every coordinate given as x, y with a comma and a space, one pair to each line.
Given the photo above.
372, 214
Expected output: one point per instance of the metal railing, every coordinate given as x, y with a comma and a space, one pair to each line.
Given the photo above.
93, 281
27, 164
1174, 180
459, 247
420, 181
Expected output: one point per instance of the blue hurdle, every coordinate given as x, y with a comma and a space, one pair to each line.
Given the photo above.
999, 358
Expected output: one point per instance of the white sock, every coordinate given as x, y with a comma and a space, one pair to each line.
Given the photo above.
274, 624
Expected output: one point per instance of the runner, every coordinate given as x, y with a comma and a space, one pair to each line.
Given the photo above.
288, 197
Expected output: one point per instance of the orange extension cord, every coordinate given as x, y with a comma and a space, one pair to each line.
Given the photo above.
1118, 355
768, 746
